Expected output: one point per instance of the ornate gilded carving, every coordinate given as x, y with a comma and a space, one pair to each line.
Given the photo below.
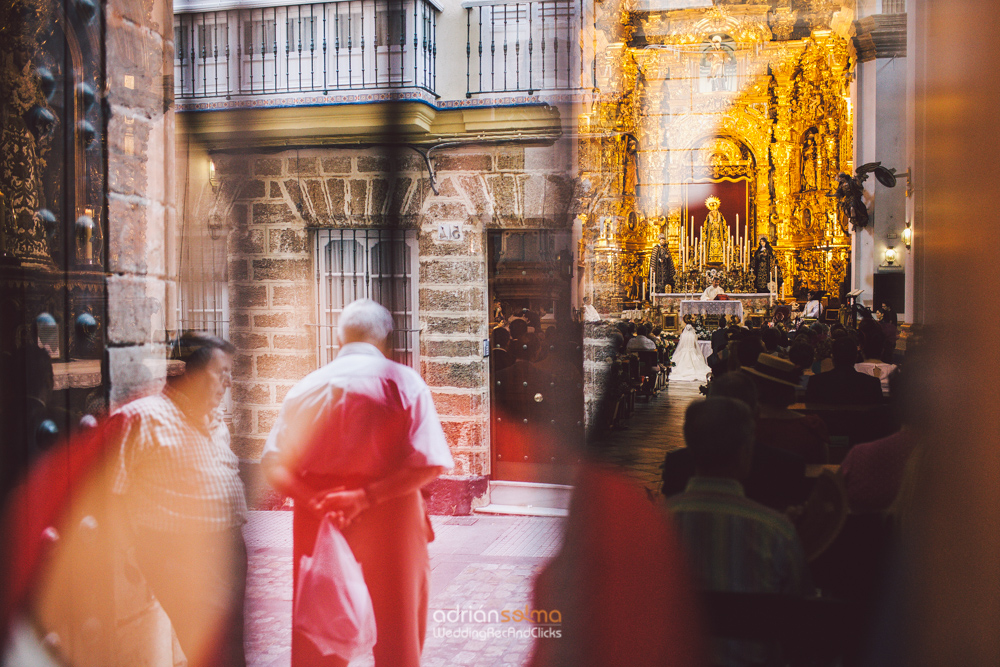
730, 91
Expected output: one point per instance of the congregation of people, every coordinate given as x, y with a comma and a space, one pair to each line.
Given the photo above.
792, 486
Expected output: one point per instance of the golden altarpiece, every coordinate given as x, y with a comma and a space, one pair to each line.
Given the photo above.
748, 105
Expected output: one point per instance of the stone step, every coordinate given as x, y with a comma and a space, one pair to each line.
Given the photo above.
528, 499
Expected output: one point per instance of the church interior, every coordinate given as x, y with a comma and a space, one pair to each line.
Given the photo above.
748, 111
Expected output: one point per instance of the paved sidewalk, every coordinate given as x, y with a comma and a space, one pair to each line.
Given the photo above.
477, 562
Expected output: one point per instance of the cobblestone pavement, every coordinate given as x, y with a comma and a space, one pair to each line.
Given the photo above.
477, 562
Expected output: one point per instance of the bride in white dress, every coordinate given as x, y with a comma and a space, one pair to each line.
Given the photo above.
689, 362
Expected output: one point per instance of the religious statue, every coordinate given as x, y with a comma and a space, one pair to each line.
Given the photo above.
850, 192
630, 177
716, 59
772, 225
850, 195
809, 171
663, 266
762, 265
714, 231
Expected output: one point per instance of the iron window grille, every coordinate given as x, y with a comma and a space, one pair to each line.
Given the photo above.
378, 264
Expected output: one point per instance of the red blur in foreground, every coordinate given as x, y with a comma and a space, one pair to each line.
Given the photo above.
620, 582
39, 502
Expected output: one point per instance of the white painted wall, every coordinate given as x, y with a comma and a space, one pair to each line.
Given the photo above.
880, 136
865, 150
451, 60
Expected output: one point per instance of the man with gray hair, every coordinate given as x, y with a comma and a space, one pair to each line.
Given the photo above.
358, 438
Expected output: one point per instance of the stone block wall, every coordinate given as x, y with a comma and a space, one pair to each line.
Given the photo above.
272, 200
141, 208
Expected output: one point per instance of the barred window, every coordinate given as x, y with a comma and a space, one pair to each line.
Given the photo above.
378, 264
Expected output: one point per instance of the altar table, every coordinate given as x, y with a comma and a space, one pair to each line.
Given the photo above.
698, 307
689, 303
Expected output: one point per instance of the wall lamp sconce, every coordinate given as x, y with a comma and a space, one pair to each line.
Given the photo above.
890, 256
215, 227
907, 235
212, 178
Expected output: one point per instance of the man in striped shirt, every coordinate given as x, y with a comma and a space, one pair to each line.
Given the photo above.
180, 488
734, 544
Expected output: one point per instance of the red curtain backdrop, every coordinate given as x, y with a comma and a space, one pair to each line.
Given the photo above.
733, 196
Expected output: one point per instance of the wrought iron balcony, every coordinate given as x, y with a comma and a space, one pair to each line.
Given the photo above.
317, 48
528, 46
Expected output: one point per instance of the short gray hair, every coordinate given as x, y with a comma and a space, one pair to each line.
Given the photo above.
365, 320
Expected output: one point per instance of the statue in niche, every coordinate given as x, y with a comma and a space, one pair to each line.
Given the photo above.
807, 221
796, 222
630, 177
810, 153
718, 66
772, 225
714, 233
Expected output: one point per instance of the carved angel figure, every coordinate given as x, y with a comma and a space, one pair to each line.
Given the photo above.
850, 192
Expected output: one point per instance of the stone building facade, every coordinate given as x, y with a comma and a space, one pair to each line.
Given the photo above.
273, 206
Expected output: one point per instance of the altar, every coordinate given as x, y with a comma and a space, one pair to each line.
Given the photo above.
737, 304
699, 307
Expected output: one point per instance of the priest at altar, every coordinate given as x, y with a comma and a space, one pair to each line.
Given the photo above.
712, 291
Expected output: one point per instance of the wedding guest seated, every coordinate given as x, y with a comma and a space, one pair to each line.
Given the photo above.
748, 348
499, 356
873, 471
518, 330
771, 338
641, 340
617, 341
657, 335
777, 477
872, 348
766, 555
627, 330
718, 361
804, 435
721, 335
843, 385
801, 354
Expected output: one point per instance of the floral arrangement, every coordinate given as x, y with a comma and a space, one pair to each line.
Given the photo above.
699, 328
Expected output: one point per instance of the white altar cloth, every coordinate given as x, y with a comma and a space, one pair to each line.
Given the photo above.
698, 307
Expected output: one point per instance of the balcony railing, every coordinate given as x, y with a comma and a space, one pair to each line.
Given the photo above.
528, 46
306, 48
